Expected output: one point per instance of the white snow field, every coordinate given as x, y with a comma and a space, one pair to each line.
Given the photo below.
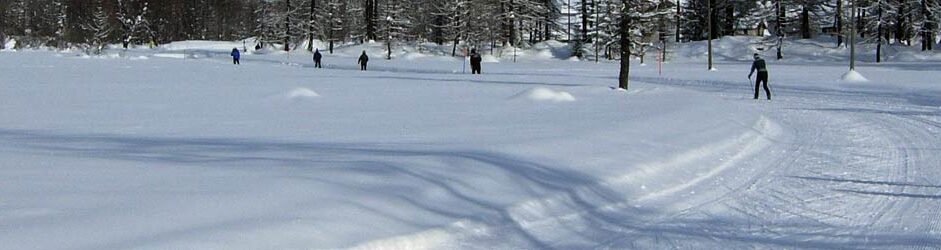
159, 149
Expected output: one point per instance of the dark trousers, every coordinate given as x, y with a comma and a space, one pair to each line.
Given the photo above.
317, 64
362, 66
235, 61
475, 69
762, 78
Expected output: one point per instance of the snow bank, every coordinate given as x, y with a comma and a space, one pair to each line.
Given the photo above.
544, 94
853, 77
102, 56
413, 56
301, 93
204, 45
489, 59
9, 45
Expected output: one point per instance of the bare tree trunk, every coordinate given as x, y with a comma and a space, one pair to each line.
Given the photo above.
853, 39
779, 29
310, 26
548, 31
331, 40
927, 30
3, 36
584, 9
839, 23
677, 19
457, 39
879, 35
805, 22
625, 72
287, 27
369, 20
511, 25
861, 23
900, 24
711, 30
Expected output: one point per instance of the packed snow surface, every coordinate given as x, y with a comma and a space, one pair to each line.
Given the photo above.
192, 152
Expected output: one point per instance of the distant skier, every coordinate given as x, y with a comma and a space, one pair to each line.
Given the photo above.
317, 57
235, 55
363, 59
475, 61
759, 65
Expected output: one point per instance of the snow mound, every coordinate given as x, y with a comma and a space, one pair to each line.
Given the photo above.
853, 77
545, 94
302, 93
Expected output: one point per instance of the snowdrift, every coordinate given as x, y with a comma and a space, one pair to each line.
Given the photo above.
544, 95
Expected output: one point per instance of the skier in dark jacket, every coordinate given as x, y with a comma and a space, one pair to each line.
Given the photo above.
235, 55
363, 59
759, 65
317, 57
475, 61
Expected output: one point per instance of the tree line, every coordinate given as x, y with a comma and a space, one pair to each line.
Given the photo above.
611, 28
62, 23
493, 23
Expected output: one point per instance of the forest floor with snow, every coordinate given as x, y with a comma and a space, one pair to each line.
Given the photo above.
177, 148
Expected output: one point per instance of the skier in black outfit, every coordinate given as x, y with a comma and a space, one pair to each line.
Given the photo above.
363, 59
317, 57
475, 61
759, 65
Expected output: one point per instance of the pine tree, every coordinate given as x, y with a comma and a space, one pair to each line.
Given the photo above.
313, 24
453, 16
99, 26
636, 17
335, 21
397, 24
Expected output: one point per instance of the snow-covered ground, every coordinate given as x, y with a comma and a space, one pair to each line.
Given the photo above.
176, 148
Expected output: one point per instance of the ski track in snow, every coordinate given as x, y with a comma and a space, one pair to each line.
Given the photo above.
864, 193
871, 191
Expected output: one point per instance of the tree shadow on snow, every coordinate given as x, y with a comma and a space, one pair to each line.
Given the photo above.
407, 166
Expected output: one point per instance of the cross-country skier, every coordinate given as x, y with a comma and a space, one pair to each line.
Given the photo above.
363, 59
475, 61
235, 55
759, 65
317, 57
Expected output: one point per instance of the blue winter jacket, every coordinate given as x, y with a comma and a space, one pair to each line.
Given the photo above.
236, 54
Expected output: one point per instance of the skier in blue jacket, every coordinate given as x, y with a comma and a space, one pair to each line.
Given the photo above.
235, 55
